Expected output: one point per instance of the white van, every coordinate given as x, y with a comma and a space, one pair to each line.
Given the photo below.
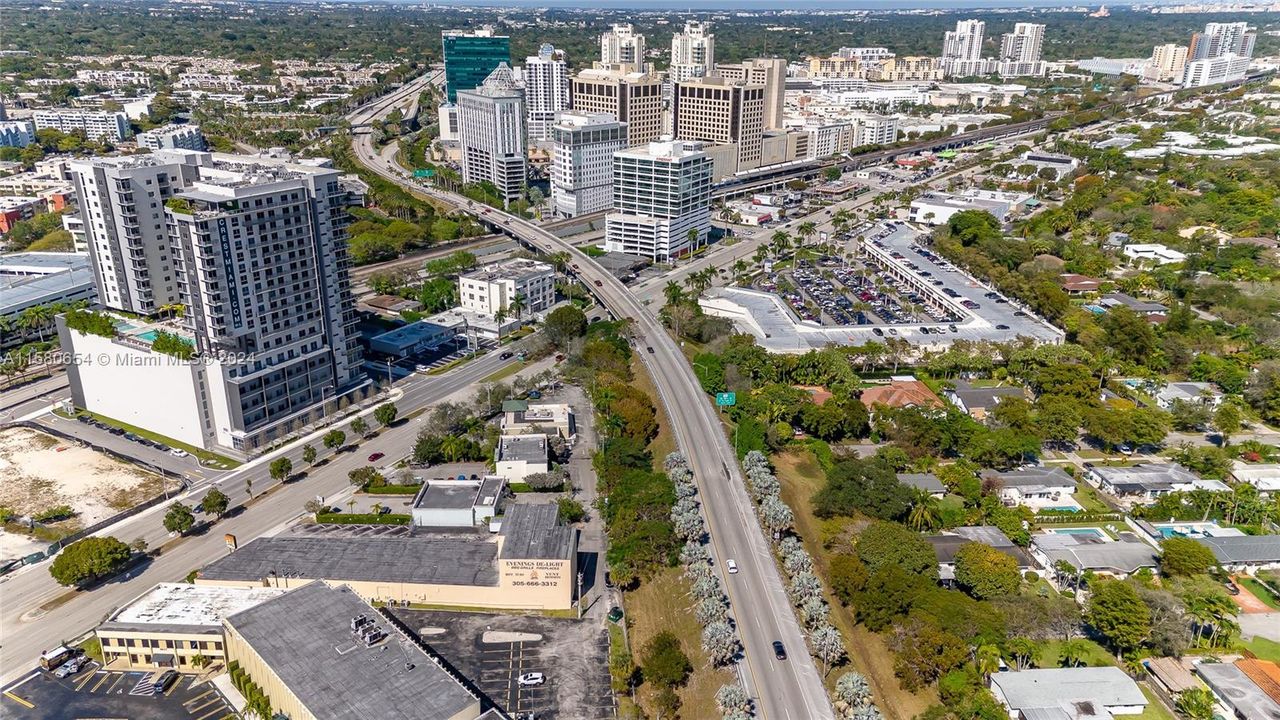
732, 566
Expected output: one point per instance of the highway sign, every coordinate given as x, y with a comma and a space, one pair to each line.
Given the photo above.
424, 172
726, 398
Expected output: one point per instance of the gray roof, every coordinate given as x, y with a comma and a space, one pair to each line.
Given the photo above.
1055, 687
1139, 306
1088, 552
447, 495
28, 279
534, 532
1033, 477
529, 448
1244, 548
1241, 692
465, 558
1154, 476
985, 397
305, 638
922, 481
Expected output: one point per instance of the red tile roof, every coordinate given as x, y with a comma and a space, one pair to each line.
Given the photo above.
912, 393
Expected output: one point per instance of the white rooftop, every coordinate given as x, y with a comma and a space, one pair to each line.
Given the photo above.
1058, 687
185, 604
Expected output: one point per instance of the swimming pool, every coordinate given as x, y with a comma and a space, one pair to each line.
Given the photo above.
1064, 508
1080, 531
151, 335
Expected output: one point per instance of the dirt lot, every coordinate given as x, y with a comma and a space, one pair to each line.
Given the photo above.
42, 472
492, 651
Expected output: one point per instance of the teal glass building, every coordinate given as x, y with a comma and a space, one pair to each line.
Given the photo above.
469, 57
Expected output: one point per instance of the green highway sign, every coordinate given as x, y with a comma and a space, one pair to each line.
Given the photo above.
424, 172
726, 398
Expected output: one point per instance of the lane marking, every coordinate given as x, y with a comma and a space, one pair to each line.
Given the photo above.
19, 700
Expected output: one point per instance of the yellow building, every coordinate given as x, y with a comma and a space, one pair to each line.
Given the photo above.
530, 564
173, 623
322, 653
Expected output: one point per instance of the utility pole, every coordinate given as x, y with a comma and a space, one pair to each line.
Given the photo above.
580, 598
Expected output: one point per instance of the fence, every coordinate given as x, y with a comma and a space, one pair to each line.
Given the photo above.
123, 514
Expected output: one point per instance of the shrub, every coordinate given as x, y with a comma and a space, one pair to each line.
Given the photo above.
363, 519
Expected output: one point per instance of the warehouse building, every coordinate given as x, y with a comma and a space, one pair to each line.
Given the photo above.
531, 563
171, 624
322, 653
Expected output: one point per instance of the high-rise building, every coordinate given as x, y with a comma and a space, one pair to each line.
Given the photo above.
96, 125
634, 98
622, 44
1020, 51
965, 42
257, 252
17, 133
1221, 39
491, 132
769, 72
1168, 62
173, 137
865, 54
546, 90
469, 57
661, 200
1211, 71
869, 129
583, 145
714, 111
693, 52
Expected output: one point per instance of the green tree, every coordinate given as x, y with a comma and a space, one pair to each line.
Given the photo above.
214, 502
1184, 557
887, 544
1196, 704
359, 426
664, 661
89, 559
386, 413
334, 439
178, 518
1118, 614
565, 324
309, 453
984, 572
1228, 421
280, 468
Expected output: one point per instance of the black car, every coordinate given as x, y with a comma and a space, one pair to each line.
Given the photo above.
649, 348
505, 356
163, 682
779, 651
877, 331
1002, 327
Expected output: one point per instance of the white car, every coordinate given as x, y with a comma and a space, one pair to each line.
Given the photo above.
732, 566
533, 678
178, 452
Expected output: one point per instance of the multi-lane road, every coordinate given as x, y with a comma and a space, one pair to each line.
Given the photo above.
790, 689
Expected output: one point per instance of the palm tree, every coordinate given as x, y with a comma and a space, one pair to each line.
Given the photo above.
499, 317
1072, 653
694, 236
740, 269
1023, 651
36, 318
673, 293
780, 241
806, 230
924, 511
987, 659
518, 305
453, 447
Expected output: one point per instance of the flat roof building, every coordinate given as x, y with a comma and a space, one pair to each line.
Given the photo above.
172, 623
582, 151
469, 57
29, 279
492, 134
323, 653
495, 287
520, 417
519, 456
1068, 693
1238, 691
661, 200
458, 502
413, 338
173, 137
634, 98
408, 564
713, 110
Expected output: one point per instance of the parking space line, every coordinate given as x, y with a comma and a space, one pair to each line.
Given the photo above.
79, 684
102, 680
19, 700
204, 694
212, 713
117, 682
204, 705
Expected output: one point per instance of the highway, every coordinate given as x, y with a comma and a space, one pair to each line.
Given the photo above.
791, 689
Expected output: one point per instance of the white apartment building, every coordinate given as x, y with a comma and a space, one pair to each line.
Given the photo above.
693, 52
634, 98
622, 44
965, 42
495, 287
447, 114
1021, 49
1221, 39
865, 54
582, 151
1211, 71
661, 196
114, 79
874, 130
769, 72
173, 137
546, 90
491, 132
827, 139
258, 250
17, 133
714, 111
109, 126
1168, 63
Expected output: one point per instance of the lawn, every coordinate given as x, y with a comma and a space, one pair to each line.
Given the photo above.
1260, 592
1095, 655
801, 477
1087, 496
206, 458
1265, 649
504, 373
1155, 709
663, 604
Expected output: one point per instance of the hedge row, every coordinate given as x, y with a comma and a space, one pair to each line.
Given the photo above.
363, 519
392, 490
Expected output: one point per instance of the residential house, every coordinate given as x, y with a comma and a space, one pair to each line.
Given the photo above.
1146, 482
1094, 551
1264, 476
1038, 488
948, 544
1200, 393
1080, 693
1244, 553
927, 482
1155, 252
1242, 687
901, 392
1076, 284
1140, 307
978, 402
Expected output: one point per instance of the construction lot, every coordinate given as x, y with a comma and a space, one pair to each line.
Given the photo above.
493, 651
98, 693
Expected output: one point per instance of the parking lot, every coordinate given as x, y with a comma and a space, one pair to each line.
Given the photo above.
493, 651
98, 693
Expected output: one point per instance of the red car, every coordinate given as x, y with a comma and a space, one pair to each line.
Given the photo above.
376, 457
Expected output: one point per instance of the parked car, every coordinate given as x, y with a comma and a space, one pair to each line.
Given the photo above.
167, 678
178, 452
73, 666
533, 678
649, 348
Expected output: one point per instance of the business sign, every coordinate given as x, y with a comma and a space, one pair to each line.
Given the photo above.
726, 399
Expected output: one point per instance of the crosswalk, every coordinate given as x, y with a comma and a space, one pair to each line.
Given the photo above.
146, 685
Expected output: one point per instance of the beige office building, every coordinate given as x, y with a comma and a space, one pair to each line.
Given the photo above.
910, 68
634, 98
769, 72
530, 564
1168, 63
171, 624
845, 68
715, 111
